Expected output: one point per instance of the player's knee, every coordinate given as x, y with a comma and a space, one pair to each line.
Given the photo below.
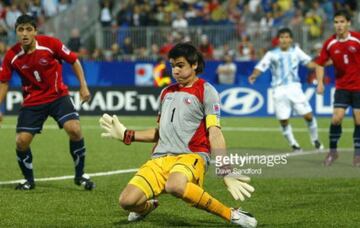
127, 201
284, 123
74, 132
308, 117
22, 143
175, 188
336, 120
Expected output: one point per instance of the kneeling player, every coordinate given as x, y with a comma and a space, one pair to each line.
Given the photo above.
188, 129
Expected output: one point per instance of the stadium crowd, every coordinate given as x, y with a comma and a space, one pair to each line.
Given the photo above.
247, 19
241, 15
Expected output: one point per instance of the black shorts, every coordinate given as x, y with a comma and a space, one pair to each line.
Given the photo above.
31, 119
345, 98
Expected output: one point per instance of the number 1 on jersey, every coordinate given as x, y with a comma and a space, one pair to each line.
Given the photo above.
37, 76
172, 115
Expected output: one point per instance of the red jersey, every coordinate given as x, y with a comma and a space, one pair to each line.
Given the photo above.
40, 70
345, 55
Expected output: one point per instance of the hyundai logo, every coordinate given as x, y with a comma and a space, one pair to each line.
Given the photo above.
241, 101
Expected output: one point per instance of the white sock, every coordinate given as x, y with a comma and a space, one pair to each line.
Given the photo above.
289, 136
313, 129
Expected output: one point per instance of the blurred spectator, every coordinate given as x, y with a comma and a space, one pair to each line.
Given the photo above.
50, 7
12, 14
246, 49
74, 43
116, 51
123, 17
105, 13
154, 52
227, 71
97, 55
167, 46
314, 22
128, 47
179, 23
63, 5
206, 48
34, 8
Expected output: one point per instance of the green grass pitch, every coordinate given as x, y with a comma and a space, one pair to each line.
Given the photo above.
301, 193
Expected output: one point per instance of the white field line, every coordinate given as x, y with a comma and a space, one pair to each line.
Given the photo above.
71, 177
121, 171
240, 129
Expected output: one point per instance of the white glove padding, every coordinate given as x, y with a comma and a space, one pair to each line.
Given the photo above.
112, 126
238, 186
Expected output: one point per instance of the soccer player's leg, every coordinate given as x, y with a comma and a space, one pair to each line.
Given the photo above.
304, 109
185, 182
283, 112
29, 123
139, 196
341, 102
356, 135
64, 113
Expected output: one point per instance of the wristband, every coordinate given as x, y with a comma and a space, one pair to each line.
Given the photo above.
129, 136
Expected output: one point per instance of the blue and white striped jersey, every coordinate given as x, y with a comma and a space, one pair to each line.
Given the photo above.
284, 65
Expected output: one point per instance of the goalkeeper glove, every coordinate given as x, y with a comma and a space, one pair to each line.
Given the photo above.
238, 186
115, 129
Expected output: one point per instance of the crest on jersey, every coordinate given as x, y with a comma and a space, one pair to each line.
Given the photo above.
65, 49
43, 62
187, 100
352, 49
216, 108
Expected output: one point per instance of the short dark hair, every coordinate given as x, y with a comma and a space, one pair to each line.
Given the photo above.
25, 19
190, 53
343, 13
285, 30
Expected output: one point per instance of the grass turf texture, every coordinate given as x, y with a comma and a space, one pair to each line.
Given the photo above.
301, 193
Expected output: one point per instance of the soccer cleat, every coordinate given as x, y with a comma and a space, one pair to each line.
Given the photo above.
318, 145
356, 161
330, 158
296, 148
134, 216
85, 181
25, 185
242, 218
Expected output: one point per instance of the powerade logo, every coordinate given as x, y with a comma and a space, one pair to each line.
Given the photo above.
241, 101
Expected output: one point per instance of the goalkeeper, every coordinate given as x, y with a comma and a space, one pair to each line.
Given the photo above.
188, 130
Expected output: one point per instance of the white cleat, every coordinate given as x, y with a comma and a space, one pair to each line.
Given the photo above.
134, 216
242, 218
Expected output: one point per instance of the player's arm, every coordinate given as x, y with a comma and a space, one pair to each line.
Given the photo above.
4, 87
254, 75
319, 71
237, 185
116, 130
311, 65
321, 61
149, 135
261, 67
79, 72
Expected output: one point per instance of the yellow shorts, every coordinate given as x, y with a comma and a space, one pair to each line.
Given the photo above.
152, 176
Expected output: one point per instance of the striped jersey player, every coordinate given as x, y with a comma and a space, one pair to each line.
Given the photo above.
288, 96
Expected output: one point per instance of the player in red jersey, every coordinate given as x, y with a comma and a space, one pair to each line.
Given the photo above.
37, 59
343, 49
